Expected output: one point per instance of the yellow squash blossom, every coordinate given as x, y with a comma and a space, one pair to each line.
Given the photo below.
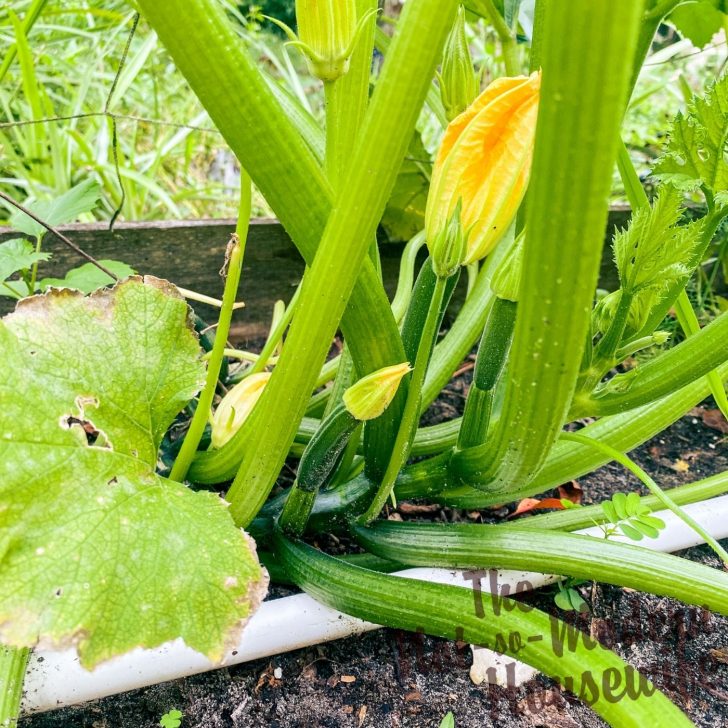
235, 407
371, 395
484, 162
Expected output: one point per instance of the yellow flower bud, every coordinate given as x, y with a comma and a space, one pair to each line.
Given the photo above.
372, 394
459, 83
235, 406
485, 161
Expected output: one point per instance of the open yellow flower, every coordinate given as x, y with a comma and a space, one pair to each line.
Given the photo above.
485, 162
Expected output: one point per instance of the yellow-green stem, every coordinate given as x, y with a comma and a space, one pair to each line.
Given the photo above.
652, 486
410, 415
234, 269
13, 663
509, 46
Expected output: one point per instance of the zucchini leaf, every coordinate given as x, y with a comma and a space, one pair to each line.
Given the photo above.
96, 549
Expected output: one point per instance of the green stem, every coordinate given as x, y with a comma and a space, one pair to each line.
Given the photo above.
335, 146
607, 347
234, 269
566, 460
278, 574
661, 9
411, 413
672, 370
448, 611
296, 511
583, 96
433, 100
34, 268
492, 355
275, 337
509, 45
466, 329
691, 326
655, 489
479, 546
632, 185
429, 440
246, 356
385, 134
13, 663
539, 15
574, 518
406, 279
426, 478
286, 170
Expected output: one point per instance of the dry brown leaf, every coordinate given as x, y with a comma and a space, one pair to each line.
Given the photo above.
416, 509
524, 506
534, 504
571, 491
714, 419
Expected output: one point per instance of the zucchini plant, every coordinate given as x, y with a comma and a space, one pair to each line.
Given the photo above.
102, 551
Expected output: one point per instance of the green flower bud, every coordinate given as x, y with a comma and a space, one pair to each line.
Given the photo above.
371, 395
459, 84
507, 278
447, 250
327, 34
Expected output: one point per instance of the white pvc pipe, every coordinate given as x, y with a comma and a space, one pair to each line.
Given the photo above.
55, 678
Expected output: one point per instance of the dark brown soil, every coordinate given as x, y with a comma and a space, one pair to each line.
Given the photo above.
390, 678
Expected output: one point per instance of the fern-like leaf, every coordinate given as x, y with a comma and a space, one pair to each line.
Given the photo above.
654, 251
697, 153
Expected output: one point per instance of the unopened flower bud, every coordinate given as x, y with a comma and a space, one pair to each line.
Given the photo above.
448, 249
327, 35
459, 84
506, 280
235, 407
372, 394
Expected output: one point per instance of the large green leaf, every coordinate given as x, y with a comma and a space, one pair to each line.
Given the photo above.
697, 154
63, 209
95, 548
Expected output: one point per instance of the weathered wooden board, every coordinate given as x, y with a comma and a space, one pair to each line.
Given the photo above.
191, 253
